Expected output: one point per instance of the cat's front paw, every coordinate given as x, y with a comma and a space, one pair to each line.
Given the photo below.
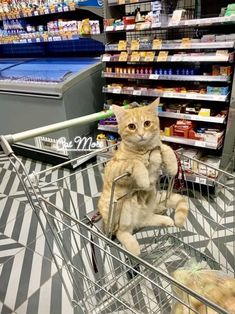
169, 160
143, 183
141, 177
168, 222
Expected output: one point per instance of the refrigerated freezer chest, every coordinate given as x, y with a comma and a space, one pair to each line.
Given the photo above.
38, 92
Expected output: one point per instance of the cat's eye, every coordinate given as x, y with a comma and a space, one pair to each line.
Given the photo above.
131, 126
147, 124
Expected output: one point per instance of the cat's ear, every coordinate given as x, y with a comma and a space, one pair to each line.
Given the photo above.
118, 111
153, 106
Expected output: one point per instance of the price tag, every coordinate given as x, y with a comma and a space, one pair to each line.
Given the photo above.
119, 28
121, 1
221, 52
50, 38
23, 41
200, 180
56, 38
109, 28
153, 76
60, 9
123, 56
116, 90
65, 8
200, 143
155, 25
149, 57
135, 45
157, 44
36, 13
176, 17
29, 40
135, 56
130, 27
162, 56
106, 58
47, 11
186, 42
122, 45
137, 92
38, 40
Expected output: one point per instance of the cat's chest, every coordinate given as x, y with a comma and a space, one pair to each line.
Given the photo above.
152, 159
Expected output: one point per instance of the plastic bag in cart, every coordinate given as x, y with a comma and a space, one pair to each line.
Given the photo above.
214, 285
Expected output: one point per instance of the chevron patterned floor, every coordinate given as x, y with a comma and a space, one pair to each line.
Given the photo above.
29, 281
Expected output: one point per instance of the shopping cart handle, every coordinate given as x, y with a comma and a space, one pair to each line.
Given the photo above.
14, 138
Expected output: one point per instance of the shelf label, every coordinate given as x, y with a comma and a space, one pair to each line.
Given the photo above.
123, 56
200, 143
186, 42
157, 44
56, 38
119, 28
176, 17
121, 1
135, 56
153, 76
200, 180
130, 27
122, 45
38, 40
162, 56
106, 58
47, 11
60, 9
36, 13
116, 90
109, 28
50, 39
137, 92
155, 25
66, 9
29, 40
221, 53
149, 57
135, 45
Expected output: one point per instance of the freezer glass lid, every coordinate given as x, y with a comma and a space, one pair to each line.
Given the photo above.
54, 70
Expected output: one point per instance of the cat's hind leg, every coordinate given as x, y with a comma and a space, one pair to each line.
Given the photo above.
154, 220
128, 241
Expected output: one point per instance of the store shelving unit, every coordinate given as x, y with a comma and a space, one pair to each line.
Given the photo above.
172, 38
41, 42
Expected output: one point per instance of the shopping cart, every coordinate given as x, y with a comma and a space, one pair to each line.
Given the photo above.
100, 276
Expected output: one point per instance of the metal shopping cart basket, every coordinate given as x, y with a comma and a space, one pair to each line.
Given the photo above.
98, 275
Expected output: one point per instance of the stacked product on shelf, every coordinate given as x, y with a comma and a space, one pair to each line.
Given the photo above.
154, 41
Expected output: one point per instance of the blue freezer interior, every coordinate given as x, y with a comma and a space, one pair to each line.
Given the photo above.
44, 70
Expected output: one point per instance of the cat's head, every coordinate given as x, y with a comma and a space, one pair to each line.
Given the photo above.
139, 127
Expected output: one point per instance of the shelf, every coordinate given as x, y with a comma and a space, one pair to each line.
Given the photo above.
108, 128
125, 2
199, 179
178, 46
177, 58
45, 11
192, 117
189, 23
190, 142
153, 93
47, 38
198, 78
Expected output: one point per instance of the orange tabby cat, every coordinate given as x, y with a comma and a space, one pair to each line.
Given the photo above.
141, 154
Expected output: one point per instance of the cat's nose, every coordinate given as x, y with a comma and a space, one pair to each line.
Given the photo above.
141, 135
